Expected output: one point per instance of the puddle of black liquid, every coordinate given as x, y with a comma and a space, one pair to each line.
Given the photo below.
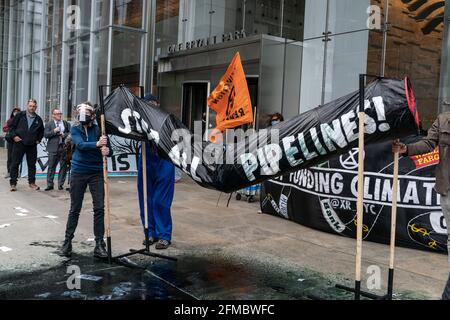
205, 277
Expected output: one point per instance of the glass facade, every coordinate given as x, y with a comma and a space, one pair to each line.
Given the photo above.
59, 51
297, 54
339, 40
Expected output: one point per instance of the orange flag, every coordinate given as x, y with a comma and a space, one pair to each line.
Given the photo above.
231, 99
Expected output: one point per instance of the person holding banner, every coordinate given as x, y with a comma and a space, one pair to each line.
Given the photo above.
87, 170
438, 136
160, 190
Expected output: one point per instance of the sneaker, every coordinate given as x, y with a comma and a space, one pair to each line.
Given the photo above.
151, 241
162, 244
13, 188
34, 187
60, 188
48, 188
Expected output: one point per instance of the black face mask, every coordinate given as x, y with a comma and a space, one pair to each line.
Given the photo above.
85, 119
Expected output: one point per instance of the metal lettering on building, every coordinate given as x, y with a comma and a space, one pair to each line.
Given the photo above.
206, 42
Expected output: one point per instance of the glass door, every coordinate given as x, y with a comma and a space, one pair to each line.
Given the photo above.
195, 95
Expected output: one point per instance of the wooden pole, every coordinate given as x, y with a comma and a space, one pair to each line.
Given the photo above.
393, 226
106, 189
145, 196
360, 206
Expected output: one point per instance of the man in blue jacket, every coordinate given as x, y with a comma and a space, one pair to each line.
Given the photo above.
160, 190
87, 170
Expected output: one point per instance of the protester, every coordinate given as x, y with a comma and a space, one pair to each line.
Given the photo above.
87, 170
27, 131
9, 140
160, 191
56, 132
274, 119
438, 136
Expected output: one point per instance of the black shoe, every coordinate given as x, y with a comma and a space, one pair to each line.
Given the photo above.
100, 250
60, 188
67, 189
162, 244
66, 249
151, 241
48, 188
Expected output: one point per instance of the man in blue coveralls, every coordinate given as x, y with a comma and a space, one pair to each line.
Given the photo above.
160, 190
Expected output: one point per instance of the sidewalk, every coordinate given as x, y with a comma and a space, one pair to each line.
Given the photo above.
223, 253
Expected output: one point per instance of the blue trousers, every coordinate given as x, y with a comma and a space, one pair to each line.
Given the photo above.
160, 190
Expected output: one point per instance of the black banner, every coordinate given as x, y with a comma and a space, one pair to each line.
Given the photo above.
324, 198
304, 141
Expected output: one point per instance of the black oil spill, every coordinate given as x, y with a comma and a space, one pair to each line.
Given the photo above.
98, 281
208, 276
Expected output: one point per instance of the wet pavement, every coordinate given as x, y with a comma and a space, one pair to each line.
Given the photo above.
190, 278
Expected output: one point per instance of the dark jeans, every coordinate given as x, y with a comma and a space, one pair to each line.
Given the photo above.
78, 185
19, 150
53, 159
10, 151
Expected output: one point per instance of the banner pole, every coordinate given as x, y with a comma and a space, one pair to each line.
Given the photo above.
393, 227
106, 189
105, 177
145, 196
360, 207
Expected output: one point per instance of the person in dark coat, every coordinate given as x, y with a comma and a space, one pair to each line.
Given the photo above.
27, 131
10, 141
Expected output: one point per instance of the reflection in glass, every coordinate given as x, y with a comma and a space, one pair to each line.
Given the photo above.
263, 17
126, 58
55, 22
166, 27
102, 13
128, 13
100, 62
52, 58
